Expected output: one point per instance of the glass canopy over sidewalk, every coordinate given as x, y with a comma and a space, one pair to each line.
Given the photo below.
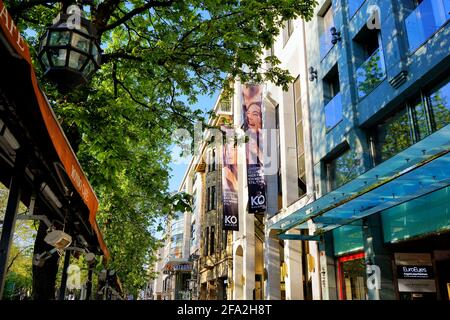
420, 169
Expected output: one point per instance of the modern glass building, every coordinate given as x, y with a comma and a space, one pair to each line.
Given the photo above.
380, 127
358, 173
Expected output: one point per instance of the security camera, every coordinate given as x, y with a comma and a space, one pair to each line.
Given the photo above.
58, 239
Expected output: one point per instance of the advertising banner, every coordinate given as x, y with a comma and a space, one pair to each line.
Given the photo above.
230, 182
252, 111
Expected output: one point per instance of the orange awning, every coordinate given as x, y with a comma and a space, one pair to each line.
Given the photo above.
59, 140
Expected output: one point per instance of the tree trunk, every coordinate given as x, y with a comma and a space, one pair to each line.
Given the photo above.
44, 278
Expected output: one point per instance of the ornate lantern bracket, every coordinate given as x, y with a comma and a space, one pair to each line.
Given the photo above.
69, 51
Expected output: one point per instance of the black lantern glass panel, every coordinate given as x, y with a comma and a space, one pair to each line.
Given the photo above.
77, 60
69, 53
58, 57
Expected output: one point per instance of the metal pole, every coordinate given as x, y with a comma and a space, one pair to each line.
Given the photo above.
89, 284
10, 217
62, 288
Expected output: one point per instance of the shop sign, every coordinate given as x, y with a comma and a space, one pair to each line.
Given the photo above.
415, 272
182, 267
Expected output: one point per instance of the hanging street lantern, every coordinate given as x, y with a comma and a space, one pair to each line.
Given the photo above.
69, 51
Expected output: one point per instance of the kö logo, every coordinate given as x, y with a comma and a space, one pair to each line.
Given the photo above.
258, 200
230, 220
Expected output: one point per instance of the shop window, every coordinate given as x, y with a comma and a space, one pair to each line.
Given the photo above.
342, 169
352, 277
300, 141
348, 238
332, 98
414, 218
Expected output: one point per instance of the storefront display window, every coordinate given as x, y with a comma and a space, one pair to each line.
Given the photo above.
427, 214
352, 277
348, 238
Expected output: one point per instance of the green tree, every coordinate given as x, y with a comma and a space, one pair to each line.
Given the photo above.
158, 56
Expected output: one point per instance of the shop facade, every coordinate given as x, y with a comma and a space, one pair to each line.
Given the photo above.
41, 172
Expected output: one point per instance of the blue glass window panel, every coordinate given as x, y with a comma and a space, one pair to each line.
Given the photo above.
427, 214
371, 73
325, 43
425, 20
333, 111
353, 6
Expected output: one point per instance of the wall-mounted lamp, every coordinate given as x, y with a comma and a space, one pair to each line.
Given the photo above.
335, 35
312, 74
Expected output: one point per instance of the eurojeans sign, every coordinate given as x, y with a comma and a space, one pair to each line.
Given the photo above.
252, 111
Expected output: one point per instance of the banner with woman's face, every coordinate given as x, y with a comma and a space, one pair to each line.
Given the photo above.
252, 100
229, 181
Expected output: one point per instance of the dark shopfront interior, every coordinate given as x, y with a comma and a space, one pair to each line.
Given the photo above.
437, 249
428, 255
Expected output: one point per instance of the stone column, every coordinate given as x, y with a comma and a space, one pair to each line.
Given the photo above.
272, 289
293, 259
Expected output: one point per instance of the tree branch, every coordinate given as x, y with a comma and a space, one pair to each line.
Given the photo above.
16, 10
136, 11
14, 258
108, 57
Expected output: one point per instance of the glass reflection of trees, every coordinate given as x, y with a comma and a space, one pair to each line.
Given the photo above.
344, 168
440, 104
393, 136
370, 73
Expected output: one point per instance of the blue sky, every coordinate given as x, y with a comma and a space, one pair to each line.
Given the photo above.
204, 103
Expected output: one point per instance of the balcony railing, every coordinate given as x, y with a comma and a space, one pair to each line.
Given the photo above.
333, 111
370, 73
353, 6
325, 43
425, 20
